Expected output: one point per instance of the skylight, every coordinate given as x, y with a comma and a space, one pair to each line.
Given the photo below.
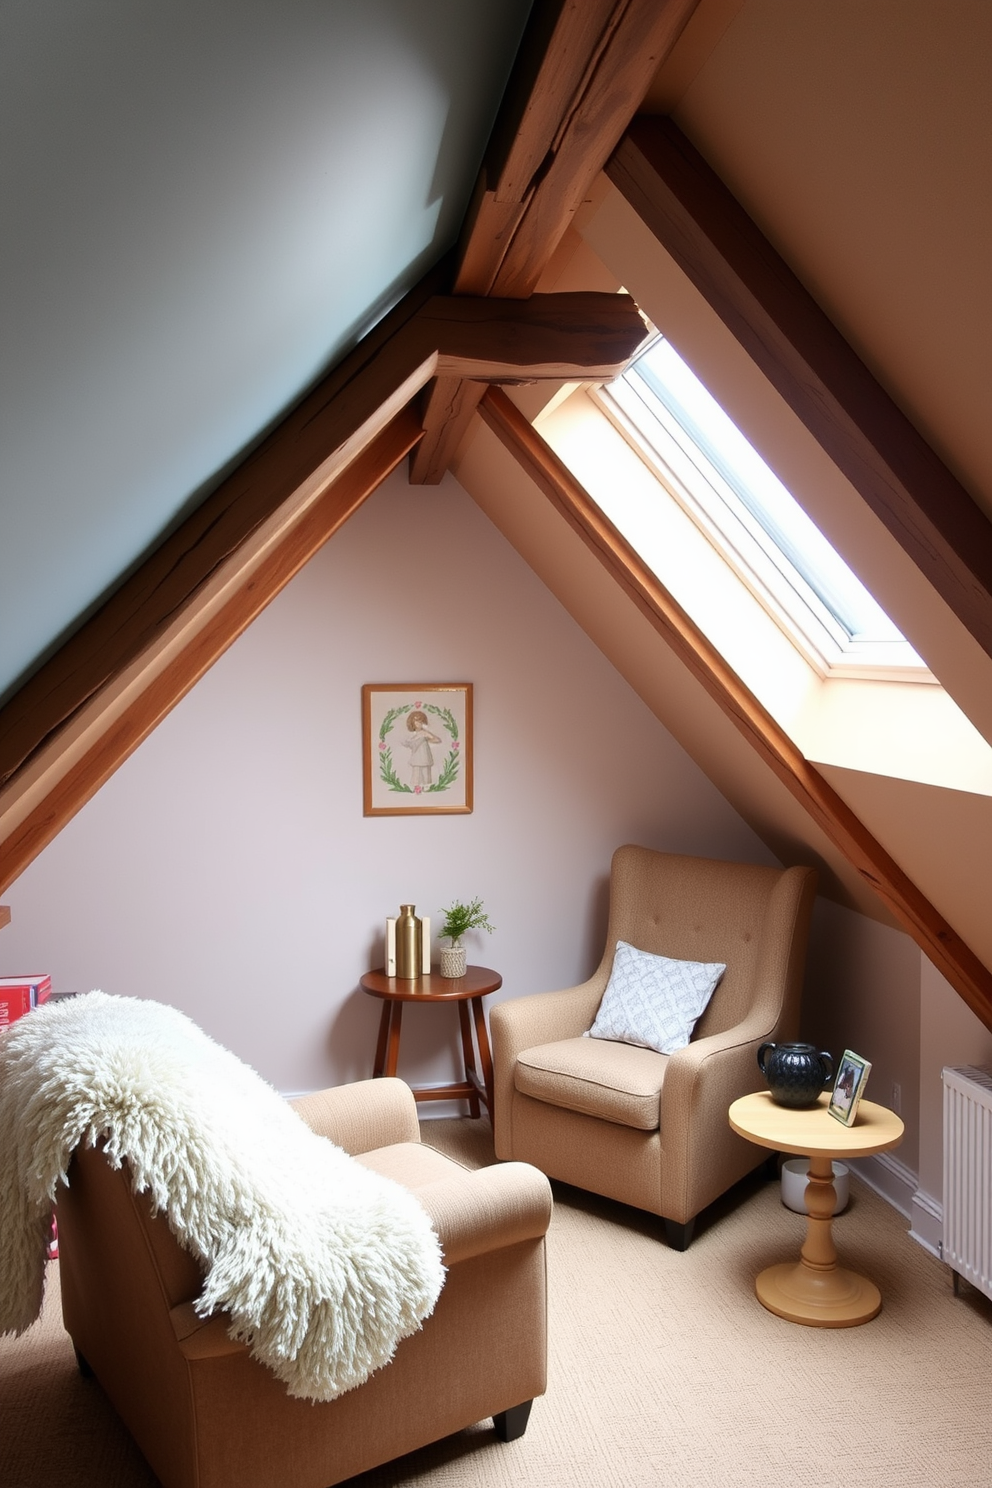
722, 482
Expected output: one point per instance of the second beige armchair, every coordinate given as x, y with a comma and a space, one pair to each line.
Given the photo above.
647, 1128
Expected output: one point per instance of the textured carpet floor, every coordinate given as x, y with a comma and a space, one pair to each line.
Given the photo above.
664, 1369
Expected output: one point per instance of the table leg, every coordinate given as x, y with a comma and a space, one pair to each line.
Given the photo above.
380, 1048
485, 1057
393, 1049
468, 1054
817, 1291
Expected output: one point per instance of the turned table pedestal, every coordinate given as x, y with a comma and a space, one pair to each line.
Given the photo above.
816, 1290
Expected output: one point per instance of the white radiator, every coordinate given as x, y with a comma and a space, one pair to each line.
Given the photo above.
967, 1245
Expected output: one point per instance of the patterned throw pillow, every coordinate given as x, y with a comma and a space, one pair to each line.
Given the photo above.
654, 1001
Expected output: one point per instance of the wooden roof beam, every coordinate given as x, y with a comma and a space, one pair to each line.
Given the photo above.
581, 72
562, 338
583, 68
948, 952
804, 356
84, 711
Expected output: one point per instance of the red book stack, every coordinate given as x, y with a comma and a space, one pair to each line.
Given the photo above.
19, 994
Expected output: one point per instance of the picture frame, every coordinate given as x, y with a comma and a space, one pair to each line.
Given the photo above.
849, 1086
417, 748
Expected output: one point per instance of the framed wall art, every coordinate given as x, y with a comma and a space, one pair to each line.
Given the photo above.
417, 748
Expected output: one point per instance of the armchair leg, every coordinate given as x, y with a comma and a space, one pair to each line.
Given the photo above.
83, 1366
679, 1236
511, 1424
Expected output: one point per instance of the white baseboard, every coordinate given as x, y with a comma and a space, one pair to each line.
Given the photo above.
896, 1183
888, 1177
928, 1223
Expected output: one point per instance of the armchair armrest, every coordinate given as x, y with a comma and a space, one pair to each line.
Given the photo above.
362, 1116
545, 1017
701, 1083
475, 1211
523, 1022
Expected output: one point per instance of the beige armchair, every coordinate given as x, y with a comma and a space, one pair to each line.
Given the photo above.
207, 1415
651, 1129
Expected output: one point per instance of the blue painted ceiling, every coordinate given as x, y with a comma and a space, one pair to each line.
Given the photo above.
205, 203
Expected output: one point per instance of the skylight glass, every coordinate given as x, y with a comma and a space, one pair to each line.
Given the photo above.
729, 490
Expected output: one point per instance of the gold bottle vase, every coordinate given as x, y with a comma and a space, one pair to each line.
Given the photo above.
409, 932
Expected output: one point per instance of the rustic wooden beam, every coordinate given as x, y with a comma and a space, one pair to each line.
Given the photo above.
331, 423
584, 335
948, 952
756, 295
449, 410
583, 68
89, 706
70, 766
565, 337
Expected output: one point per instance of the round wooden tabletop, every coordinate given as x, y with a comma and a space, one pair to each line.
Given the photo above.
813, 1129
477, 981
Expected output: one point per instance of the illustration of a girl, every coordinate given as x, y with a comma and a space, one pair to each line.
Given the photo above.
419, 744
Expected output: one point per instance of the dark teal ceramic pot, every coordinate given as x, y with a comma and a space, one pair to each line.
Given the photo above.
796, 1073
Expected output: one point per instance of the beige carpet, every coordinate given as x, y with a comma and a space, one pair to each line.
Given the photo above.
664, 1369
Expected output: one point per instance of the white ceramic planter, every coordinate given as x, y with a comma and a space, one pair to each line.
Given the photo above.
794, 1184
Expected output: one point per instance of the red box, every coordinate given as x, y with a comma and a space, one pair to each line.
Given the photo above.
19, 994
14, 1003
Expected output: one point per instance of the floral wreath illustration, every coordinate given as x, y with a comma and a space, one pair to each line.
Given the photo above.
449, 770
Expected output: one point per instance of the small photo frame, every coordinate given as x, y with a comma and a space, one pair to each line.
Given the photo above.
849, 1086
417, 748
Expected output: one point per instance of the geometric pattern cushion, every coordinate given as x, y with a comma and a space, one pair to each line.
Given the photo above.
654, 1001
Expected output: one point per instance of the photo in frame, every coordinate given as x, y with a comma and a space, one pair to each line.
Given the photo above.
849, 1086
417, 748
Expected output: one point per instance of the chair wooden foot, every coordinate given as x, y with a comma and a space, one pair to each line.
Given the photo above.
511, 1424
679, 1236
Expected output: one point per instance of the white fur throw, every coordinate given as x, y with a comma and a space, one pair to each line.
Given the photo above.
322, 1265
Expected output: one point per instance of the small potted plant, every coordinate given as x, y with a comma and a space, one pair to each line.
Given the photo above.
456, 920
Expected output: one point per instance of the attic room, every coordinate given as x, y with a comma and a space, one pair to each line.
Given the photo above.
228, 217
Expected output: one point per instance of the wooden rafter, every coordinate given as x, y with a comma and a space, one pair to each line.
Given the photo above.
93, 702
759, 299
71, 763
582, 70
565, 337
911, 908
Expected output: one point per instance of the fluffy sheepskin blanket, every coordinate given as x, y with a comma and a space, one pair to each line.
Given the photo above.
322, 1265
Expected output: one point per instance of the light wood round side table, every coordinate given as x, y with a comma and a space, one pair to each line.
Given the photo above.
815, 1290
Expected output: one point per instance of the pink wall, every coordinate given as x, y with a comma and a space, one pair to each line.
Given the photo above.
228, 869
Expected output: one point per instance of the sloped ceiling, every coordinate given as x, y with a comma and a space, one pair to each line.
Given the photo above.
213, 204
205, 204
859, 138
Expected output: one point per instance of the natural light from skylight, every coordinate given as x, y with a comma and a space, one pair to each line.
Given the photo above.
746, 512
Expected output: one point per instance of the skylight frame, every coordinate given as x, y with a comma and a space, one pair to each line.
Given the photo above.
717, 509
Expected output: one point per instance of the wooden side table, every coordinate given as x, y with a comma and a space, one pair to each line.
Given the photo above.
470, 988
816, 1291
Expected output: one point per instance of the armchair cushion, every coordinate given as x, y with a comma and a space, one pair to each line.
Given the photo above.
613, 1081
654, 1001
